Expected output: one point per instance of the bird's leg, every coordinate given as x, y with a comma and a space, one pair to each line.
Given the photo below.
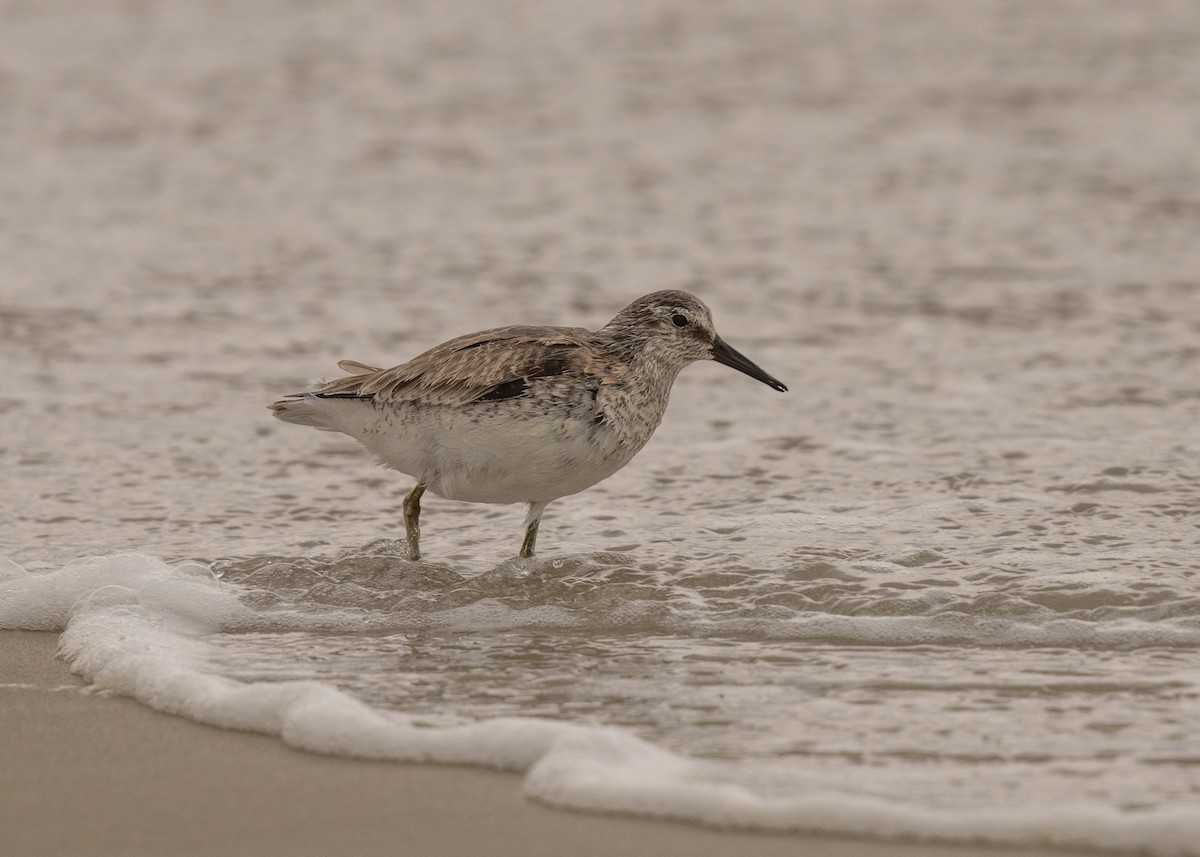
412, 521
530, 539
532, 519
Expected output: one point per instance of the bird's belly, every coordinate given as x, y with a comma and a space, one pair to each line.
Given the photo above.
487, 457
524, 470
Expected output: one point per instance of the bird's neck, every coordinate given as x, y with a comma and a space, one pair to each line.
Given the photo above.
635, 399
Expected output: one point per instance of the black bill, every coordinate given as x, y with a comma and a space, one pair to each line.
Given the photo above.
723, 353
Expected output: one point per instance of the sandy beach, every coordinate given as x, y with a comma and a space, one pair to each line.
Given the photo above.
103, 775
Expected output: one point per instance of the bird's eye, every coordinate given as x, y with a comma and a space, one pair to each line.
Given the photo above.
679, 320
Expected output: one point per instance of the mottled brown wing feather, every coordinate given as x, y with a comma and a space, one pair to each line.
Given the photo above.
491, 364
353, 367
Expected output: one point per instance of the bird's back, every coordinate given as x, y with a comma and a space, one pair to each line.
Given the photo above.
472, 367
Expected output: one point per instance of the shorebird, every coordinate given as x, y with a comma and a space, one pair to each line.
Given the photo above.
521, 414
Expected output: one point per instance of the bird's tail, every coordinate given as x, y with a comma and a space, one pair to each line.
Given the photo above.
305, 410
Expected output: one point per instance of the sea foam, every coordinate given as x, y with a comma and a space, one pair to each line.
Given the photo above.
135, 625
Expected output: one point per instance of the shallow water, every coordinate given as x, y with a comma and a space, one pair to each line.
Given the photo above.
954, 570
934, 689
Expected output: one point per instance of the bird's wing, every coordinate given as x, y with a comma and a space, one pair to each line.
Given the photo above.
491, 364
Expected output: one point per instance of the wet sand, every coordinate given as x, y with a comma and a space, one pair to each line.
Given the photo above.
102, 775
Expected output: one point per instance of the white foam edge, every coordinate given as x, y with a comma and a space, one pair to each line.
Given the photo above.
133, 624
